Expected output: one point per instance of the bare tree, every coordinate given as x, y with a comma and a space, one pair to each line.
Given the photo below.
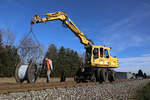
82, 56
8, 36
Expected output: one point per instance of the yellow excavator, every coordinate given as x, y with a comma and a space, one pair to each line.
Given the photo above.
98, 62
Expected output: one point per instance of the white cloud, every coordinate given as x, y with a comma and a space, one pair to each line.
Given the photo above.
124, 33
145, 55
146, 4
133, 64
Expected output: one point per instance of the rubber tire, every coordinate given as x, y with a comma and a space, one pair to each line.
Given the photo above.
111, 76
104, 75
31, 71
16, 74
98, 75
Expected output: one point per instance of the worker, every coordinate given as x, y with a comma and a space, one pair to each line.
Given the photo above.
63, 76
48, 67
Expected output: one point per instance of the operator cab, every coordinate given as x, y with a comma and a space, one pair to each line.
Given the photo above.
99, 56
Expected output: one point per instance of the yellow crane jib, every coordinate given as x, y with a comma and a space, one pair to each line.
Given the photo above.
66, 20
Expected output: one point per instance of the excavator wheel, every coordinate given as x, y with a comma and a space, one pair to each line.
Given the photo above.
32, 73
104, 75
111, 76
98, 75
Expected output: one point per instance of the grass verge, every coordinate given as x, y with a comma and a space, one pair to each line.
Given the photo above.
144, 93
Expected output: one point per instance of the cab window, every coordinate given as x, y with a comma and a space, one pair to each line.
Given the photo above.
95, 53
88, 54
101, 52
106, 53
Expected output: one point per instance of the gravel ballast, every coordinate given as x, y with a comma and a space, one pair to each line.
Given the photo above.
109, 91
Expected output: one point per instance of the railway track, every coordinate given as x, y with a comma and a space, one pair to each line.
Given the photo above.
15, 87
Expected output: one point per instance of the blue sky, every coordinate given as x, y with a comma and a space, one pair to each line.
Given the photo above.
121, 24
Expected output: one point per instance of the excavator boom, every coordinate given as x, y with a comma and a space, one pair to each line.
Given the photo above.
65, 19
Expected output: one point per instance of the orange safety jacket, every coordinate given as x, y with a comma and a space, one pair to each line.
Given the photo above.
47, 65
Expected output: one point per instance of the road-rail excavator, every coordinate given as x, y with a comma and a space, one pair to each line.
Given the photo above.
98, 62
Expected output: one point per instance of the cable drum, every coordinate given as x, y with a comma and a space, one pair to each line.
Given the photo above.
30, 54
32, 73
20, 73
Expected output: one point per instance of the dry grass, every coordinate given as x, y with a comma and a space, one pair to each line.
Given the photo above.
7, 80
39, 80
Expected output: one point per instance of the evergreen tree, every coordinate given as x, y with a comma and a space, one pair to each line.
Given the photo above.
61, 61
77, 62
64, 60
52, 52
144, 76
8, 59
69, 61
140, 72
1, 50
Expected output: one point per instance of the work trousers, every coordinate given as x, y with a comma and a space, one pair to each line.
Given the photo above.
48, 75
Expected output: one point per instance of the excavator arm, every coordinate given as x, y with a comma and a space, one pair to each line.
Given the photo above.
65, 19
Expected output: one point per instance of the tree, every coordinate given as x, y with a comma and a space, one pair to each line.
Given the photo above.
61, 61
68, 61
144, 76
140, 72
82, 57
52, 53
1, 49
9, 37
64, 60
0, 39
8, 57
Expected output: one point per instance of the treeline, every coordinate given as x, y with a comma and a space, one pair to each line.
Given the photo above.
64, 60
8, 55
